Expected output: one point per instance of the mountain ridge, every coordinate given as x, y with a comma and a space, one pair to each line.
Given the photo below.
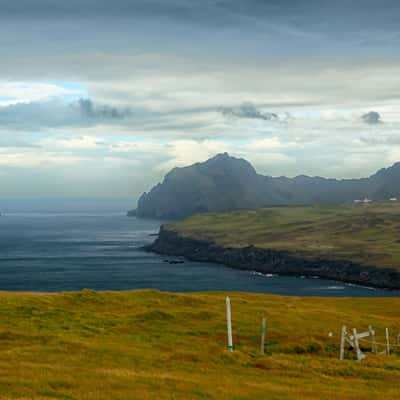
224, 183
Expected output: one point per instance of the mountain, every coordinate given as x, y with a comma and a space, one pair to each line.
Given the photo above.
227, 183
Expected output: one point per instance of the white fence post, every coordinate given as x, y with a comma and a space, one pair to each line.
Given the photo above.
359, 354
229, 323
263, 332
373, 339
342, 342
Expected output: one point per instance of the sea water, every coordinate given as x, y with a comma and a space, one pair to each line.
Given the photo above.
44, 252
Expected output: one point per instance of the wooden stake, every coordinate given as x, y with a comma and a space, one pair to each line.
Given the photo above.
374, 347
357, 344
342, 341
263, 332
387, 341
229, 323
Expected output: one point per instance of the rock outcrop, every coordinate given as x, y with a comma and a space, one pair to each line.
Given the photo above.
270, 261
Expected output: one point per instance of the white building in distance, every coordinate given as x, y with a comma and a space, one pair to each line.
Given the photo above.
363, 201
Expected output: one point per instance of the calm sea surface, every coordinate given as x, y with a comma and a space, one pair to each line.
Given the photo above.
58, 252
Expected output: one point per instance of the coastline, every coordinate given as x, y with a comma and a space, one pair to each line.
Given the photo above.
268, 261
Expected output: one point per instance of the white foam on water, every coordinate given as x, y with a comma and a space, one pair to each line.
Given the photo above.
261, 274
332, 288
360, 286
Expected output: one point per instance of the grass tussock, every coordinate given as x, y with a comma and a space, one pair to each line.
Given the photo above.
148, 344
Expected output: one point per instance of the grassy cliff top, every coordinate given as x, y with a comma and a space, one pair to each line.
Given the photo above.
366, 233
151, 345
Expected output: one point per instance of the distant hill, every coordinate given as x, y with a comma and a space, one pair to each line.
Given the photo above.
349, 243
225, 183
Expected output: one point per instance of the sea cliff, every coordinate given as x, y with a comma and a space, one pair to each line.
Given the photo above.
271, 261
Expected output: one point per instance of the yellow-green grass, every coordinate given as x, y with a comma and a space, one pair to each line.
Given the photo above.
154, 345
365, 233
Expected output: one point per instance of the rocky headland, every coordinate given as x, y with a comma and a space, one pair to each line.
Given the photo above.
269, 261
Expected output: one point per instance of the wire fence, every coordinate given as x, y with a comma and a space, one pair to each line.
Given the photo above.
379, 343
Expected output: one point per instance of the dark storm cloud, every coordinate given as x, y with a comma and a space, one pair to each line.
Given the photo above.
372, 118
248, 110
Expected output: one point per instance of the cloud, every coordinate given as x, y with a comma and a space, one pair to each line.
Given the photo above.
13, 93
73, 143
135, 99
248, 110
372, 118
211, 11
267, 153
103, 111
207, 12
11, 140
35, 159
56, 112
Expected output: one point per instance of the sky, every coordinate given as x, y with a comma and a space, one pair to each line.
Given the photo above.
101, 98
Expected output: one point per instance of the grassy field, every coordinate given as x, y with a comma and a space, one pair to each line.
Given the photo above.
366, 233
153, 345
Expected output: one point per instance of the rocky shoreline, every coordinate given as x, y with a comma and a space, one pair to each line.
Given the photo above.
278, 262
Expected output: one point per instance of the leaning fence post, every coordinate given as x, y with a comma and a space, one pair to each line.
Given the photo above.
373, 339
387, 341
263, 332
229, 323
342, 342
359, 354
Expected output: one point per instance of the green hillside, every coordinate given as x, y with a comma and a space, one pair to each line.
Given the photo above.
153, 345
366, 233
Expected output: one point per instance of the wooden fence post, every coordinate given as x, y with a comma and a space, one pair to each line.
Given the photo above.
357, 344
342, 341
229, 323
263, 332
387, 341
373, 339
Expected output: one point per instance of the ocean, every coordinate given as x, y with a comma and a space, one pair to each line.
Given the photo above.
53, 252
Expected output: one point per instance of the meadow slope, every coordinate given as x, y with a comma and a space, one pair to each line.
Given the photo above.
151, 345
364, 233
